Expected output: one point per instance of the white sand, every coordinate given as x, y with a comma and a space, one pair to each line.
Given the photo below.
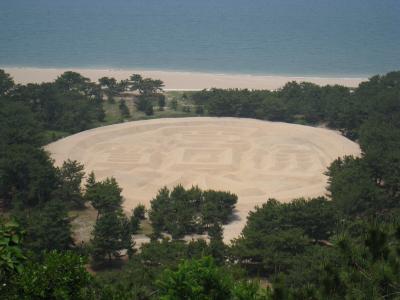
255, 159
182, 80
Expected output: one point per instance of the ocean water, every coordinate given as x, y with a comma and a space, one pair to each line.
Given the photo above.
285, 37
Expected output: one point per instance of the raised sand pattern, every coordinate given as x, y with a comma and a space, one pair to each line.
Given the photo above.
255, 159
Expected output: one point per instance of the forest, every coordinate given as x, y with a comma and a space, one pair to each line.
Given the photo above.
345, 245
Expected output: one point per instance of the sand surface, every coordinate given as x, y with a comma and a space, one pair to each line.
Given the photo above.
255, 159
175, 80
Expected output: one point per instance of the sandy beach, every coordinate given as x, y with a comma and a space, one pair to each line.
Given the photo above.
255, 159
176, 80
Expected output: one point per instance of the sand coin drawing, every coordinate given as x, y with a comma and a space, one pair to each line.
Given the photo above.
255, 159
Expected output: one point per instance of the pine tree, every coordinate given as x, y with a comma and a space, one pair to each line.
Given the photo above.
111, 235
217, 246
105, 196
91, 181
71, 175
113, 231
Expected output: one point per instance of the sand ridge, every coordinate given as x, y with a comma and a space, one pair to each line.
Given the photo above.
255, 159
181, 80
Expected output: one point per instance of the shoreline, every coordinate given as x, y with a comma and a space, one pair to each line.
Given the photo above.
181, 80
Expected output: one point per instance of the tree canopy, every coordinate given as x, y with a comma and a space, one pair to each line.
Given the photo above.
145, 86
180, 211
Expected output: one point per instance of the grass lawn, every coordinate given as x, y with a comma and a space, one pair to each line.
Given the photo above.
185, 108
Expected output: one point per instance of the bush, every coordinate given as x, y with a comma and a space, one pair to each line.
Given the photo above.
60, 276
198, 279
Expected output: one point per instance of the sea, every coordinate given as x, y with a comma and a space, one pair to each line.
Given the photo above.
274, 37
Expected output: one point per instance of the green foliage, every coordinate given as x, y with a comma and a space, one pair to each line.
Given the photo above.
71, 81
296, 102
11, 256
111, 87
6, 83
276, 235
370, 184
161, 102
139, 212
47, 228
380, 141
137, 278
134, 281
149, 111
198, 279
249, 290
270, 254
107, 82
71, 175
304, 99
202, 279
168, 253
124, 110
70, 104
352, 188
134, 224
308, 266
105, 196
235, 103
111, 235
27, 176
26, 172
141, 103
182, 212
316, 217
90, 182
145, 86
19, 125
368, 270
144, 103
112, 231
199, 110
186, 108
217, 246
59, 276
174, 104
362, 264
217, 206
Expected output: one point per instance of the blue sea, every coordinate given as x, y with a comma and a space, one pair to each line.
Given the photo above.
282, 37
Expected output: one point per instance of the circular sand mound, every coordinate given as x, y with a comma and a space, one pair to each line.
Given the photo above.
255, 159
